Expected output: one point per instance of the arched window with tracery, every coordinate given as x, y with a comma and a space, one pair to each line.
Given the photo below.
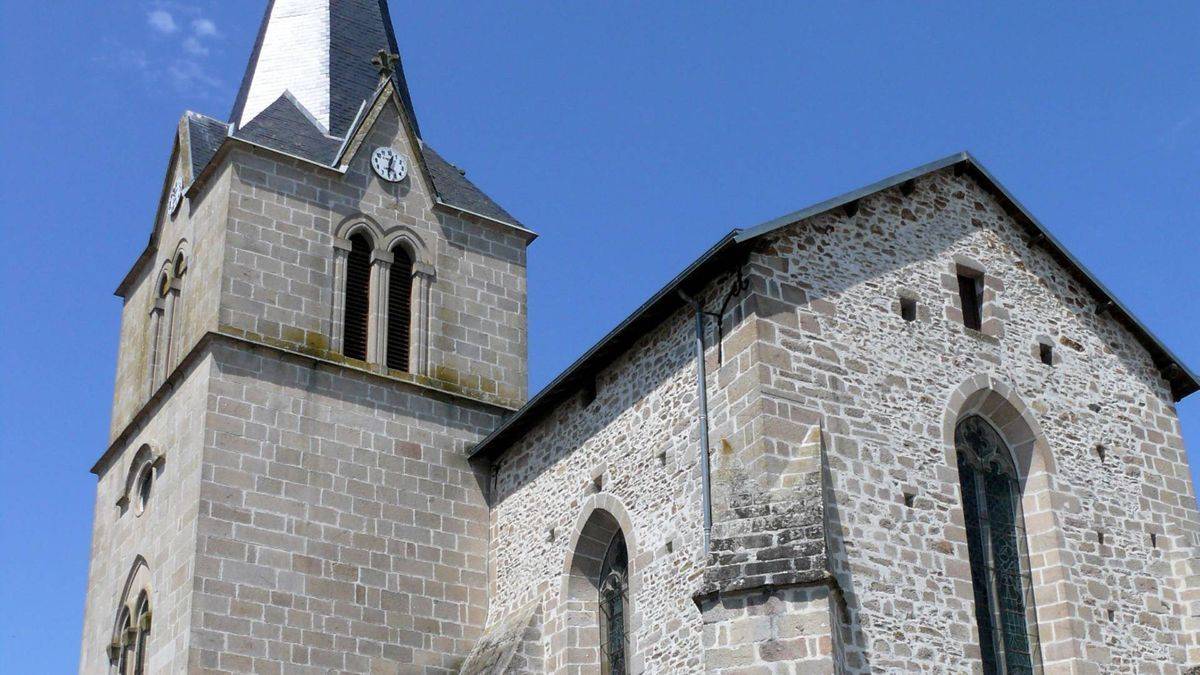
356, 317
614, 601
142, 631
399, 318
124, 645
996, 544
159, 329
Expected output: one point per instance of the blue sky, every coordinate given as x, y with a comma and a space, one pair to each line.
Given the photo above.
631, 135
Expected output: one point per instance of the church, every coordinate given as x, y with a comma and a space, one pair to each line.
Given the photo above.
901, 430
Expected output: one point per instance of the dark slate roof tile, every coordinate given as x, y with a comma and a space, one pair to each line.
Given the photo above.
205, 136
358, 29
454, 189
286, 127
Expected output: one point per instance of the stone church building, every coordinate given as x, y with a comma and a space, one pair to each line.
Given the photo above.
902, 430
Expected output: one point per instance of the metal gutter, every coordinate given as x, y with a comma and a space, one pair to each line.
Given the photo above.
1184, 383
841, 200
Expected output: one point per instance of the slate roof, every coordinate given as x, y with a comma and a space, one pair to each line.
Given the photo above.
287, 127
454, 189
205, 136
734, 246
358, 29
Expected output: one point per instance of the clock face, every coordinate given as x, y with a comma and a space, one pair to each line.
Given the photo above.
389, 164
175, 197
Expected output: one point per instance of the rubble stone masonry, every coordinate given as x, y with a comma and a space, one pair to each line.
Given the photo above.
839, 539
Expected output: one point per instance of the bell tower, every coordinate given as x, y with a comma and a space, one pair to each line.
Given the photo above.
327, 317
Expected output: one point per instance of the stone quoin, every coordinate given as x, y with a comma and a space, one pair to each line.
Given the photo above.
935, 442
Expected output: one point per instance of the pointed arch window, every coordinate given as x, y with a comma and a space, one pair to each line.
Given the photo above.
124, 646
614, 604
159, 330
996, 545
399, 317
142, 634
358, 297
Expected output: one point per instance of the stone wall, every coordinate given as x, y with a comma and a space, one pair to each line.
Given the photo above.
200, 225
835, 481
630, 453
340, 524
770, 630
885, 388
164, 533
279, 282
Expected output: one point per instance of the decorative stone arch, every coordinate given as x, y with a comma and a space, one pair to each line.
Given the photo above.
383, 244
181, 259
1054, 596
575, 628
350, 226
355, 224
130, 618
418, 287
144, 459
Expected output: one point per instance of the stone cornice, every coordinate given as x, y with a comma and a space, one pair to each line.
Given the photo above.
228, 335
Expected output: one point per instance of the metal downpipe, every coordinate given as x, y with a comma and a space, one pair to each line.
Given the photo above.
702, 394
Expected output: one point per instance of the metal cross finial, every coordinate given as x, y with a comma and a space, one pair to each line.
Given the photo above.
385, 62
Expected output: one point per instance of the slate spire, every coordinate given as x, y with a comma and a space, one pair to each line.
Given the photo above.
321, 51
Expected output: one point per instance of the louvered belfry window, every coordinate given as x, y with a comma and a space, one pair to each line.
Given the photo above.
358, 297
399, 309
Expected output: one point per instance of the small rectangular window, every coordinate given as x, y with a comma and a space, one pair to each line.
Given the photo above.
970, 294
587, 392
908, 308
1047, 353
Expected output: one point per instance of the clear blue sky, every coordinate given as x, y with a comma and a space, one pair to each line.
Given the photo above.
630, 135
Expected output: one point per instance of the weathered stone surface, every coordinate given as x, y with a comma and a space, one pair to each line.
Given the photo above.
313, 513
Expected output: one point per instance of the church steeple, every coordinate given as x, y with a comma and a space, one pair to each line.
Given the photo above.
321, 52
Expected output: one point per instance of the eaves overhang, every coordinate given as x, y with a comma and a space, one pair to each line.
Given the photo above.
723, 256
1181, 379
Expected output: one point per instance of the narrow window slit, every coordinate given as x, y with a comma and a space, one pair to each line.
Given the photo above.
970, 295
399, 302
358, 290
1046, 352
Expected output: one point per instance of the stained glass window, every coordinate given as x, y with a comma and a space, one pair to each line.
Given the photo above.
1004, 608
614, 588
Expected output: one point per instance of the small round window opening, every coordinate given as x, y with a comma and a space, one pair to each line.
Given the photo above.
145, 484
